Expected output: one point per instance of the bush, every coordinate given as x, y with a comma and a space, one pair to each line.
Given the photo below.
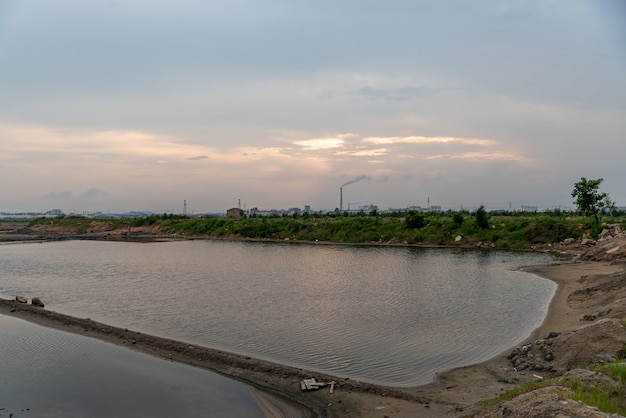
415, 220
481, 217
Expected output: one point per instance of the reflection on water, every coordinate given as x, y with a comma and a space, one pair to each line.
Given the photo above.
48, 373
394, 316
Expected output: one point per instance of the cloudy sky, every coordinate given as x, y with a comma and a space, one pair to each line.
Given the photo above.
141, 104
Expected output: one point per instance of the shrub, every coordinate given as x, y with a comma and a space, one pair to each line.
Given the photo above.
481, 217
415, 220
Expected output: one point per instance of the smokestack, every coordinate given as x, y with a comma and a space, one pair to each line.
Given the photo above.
341, 199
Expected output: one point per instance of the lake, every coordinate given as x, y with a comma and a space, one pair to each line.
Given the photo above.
385, 315
48, 373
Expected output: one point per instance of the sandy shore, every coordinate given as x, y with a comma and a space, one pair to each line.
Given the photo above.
454, 394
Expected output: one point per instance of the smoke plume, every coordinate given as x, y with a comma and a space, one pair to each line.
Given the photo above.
358, 178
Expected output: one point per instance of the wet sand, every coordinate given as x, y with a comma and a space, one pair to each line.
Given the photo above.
454, 394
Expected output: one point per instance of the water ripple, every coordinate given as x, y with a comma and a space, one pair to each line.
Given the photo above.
386, 315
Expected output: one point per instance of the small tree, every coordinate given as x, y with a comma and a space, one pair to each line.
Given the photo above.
588, 198
415, 220
481, 217
457, 218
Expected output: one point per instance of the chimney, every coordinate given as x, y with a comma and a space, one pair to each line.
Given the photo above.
341, 199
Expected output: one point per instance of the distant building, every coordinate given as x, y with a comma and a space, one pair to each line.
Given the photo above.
236, 213
55, 212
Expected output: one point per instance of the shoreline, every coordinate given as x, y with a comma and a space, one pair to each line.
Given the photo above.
560, 316
454, 393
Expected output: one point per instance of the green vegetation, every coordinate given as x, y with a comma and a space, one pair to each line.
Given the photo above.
516, 391
482, 220
589, 200
609, 397
505, 230
616, 369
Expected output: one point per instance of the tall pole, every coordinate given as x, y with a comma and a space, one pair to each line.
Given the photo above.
341, 199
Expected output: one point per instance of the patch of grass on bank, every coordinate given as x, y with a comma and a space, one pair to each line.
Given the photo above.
503, 230
617, 370
516, 391
608, 398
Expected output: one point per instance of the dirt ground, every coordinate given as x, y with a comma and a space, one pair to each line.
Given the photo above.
583, 325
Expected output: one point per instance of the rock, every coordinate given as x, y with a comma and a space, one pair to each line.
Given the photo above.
458, 238
590, 344
37, 302
588, 241
569, 241
21, 299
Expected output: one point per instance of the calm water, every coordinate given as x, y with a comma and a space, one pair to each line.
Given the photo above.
393, 316
47, 373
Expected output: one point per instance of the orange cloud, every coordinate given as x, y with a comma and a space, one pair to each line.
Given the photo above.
427, 140
320, 143
504, 156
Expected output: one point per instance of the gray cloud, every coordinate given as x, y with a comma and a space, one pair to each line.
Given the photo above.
400, 94
93, 193
64, 195
542, 80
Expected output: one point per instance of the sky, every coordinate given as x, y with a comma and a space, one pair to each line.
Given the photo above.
142, 105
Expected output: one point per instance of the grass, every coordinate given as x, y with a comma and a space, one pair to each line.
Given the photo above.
608, 398
516, 391
505, 231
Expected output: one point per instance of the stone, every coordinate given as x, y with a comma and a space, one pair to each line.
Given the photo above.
21, 299
613, 250
458, 238
37, 302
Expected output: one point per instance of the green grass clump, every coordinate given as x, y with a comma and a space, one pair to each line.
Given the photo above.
516, 391
617, 370
607, 398
513, 230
